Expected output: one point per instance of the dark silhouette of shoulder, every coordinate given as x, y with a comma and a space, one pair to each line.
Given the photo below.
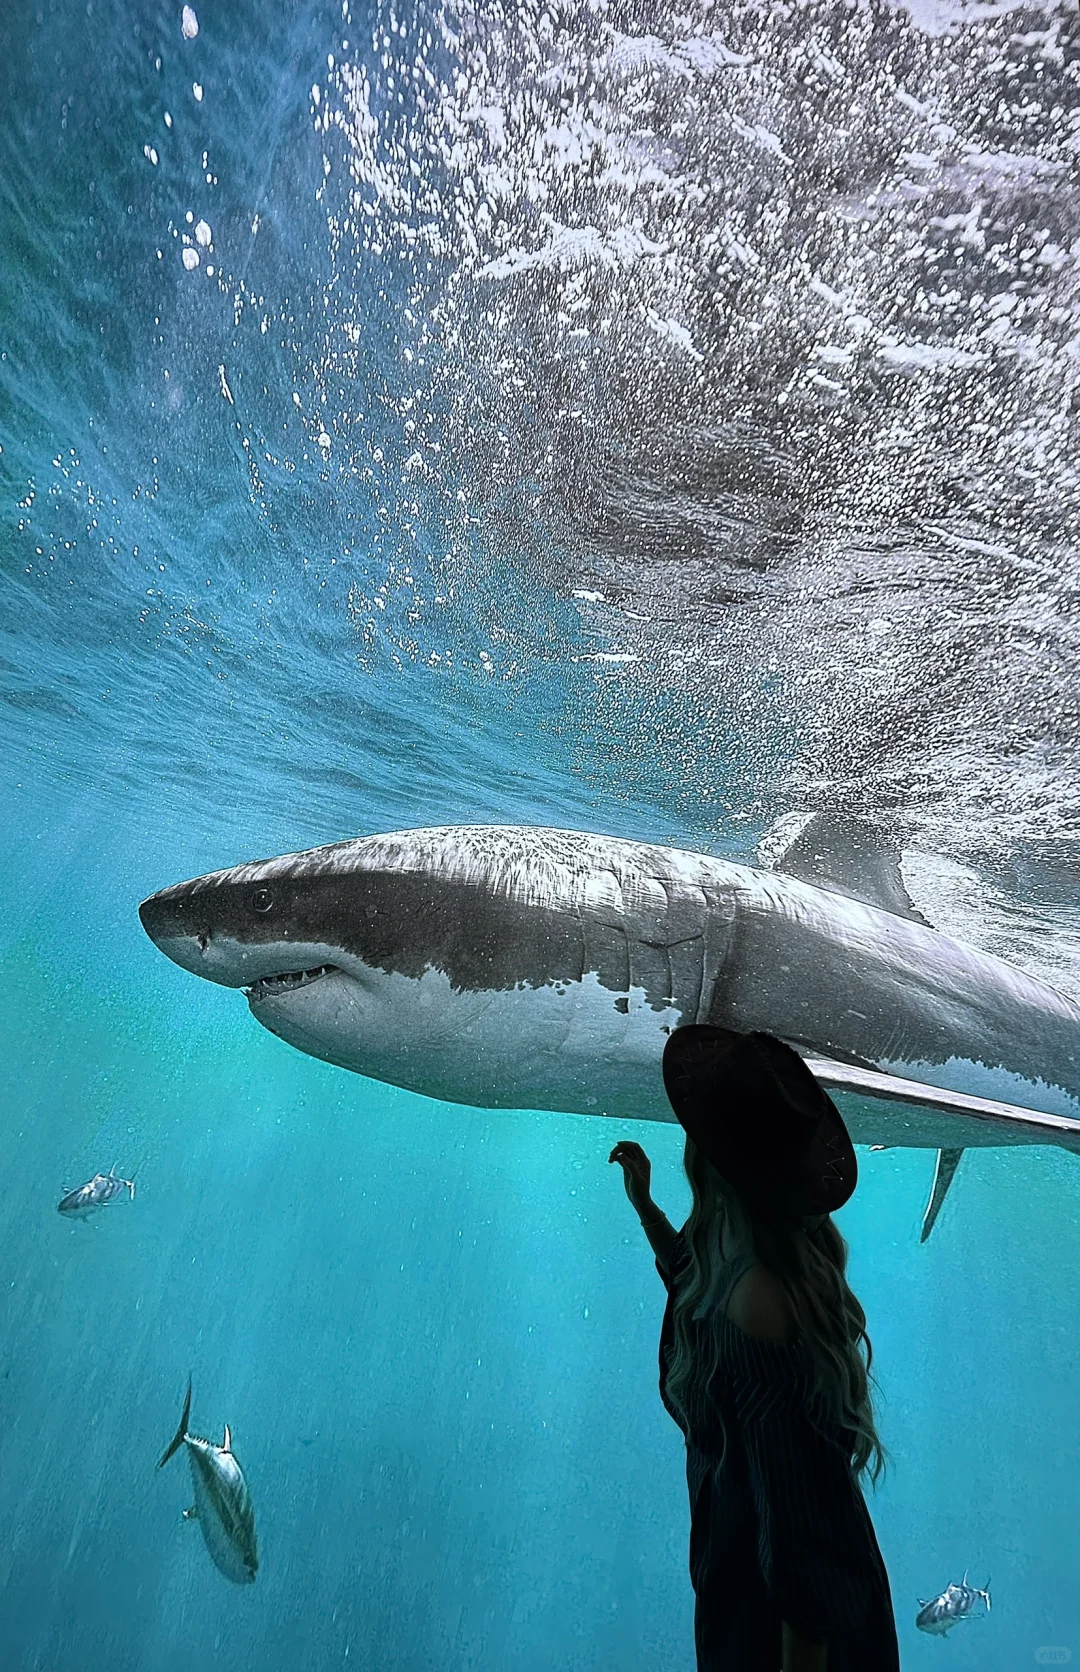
759, 1306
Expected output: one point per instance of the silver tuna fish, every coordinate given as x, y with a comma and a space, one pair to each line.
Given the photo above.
956, 1603
222, 1504
96, 1193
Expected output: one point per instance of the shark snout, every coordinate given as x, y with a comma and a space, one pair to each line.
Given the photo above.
164, 919
171, 913
179, 922
237, 936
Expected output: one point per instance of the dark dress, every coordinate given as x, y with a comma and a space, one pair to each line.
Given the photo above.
779, 1529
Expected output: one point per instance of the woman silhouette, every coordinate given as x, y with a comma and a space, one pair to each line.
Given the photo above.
762, 1364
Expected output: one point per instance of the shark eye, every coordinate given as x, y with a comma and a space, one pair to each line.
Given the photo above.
262, 899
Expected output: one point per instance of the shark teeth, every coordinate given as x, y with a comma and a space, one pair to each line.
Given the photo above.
272, 986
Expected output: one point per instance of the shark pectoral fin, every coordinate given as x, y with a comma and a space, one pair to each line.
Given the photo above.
842, 853
1009, 1120
945, 1171
191, 1514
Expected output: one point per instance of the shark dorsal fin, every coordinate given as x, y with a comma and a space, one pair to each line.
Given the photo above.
842, 853
226, 1443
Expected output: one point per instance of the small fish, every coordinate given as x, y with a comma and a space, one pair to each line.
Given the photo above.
222, 1504
956, 1603
96, 1193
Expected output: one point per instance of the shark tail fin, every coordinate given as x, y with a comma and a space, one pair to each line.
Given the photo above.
947, 1162
181, 1433
131, 1188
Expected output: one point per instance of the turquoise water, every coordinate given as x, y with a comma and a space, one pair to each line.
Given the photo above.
396, 543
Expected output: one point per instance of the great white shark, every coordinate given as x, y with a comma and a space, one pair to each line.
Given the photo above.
527, 968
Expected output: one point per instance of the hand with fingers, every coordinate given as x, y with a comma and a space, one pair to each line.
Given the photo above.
637, 1173
637, 1177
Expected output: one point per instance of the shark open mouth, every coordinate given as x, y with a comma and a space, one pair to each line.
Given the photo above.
272, 986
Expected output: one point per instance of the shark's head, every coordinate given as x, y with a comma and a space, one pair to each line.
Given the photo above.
249, 925
314, 939
379, 955
499, 966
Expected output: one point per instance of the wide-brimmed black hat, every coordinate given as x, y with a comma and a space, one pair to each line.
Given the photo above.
755, 1110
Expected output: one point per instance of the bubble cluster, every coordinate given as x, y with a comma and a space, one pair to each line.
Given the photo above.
777, 315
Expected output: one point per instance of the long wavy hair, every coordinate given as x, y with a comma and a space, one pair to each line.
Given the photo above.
809, 1259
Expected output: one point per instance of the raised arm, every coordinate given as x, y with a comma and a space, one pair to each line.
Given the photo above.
637, 1177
